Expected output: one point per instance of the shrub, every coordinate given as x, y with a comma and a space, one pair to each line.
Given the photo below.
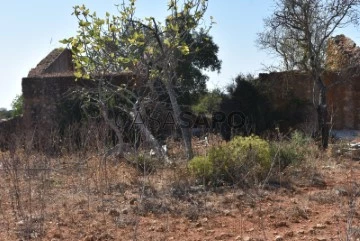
253, 148
292, 151
222, 162
242, 160
283, 154
299, 139
201, 167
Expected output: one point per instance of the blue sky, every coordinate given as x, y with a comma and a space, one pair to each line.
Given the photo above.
31, 29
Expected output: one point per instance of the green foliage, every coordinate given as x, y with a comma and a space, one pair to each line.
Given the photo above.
292, 151
124, 42
152, 52
5, 114
208, 103
245, 97
147, 47
299, 139
242, 160
17, 105
203, 55
251, 148
201, 167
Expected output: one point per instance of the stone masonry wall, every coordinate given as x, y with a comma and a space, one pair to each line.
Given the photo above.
343, 95
10, 130
43, 95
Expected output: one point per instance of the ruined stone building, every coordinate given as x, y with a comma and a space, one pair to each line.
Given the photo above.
343, 87
44, 88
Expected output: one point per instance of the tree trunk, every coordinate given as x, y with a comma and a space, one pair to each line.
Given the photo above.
149, 137
185, 132
322, 110
118, 149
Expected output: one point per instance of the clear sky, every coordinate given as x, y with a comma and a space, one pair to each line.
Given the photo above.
31, 29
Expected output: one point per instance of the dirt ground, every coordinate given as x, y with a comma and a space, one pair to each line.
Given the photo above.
73, 198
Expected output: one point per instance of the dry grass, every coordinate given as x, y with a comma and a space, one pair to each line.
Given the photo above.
85, 196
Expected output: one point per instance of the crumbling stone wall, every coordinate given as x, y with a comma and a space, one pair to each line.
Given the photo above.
47, 87
45, 95
342, 80
343, 95
41, 98
341, 53
344, 98
10, 132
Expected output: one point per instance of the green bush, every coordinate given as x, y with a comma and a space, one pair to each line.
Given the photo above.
283, 154
242, 160
201, 167
299, 139
252, 148
292, 151
222, 162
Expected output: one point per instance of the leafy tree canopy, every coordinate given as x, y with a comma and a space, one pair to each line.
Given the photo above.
208, 103
17, 105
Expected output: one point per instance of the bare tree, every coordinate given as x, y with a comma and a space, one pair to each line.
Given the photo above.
298, 31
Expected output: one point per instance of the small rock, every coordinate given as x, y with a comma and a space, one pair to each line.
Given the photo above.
223, 236
34, 235
319, 226
341, 191
204, 220
210, 231
281, 224
21, 222
125, 211
246, 239
301, 232
90, 238
289, 234
227, 212
321, 239
61, 224
279, 238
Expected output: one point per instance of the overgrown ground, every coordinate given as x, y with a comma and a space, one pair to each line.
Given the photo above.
84, 196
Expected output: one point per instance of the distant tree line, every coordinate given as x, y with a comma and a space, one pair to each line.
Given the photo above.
16, 108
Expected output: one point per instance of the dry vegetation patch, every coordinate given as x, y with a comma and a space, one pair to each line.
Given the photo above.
85, 196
